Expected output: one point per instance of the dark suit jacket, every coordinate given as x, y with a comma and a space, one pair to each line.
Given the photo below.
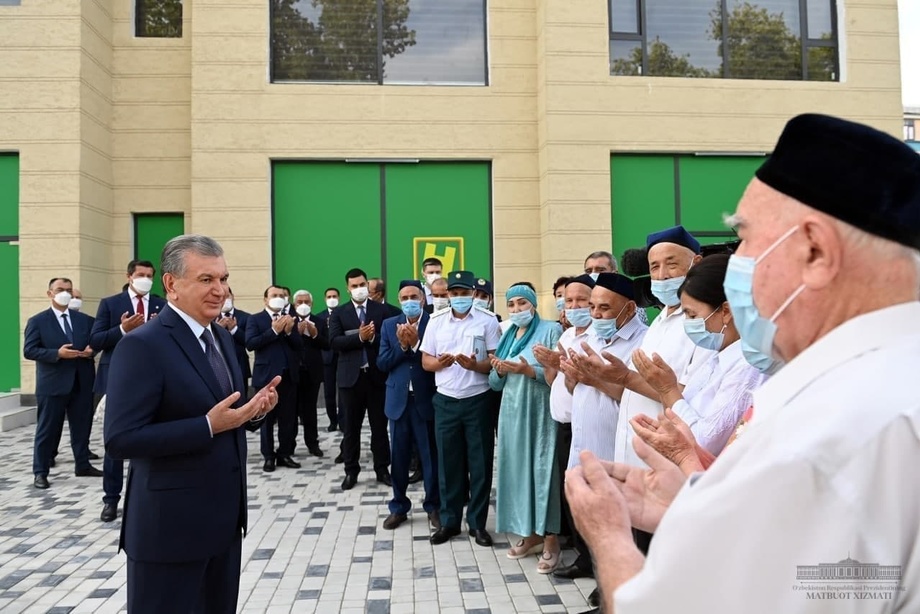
390, 311
329, 356
186, 493
239, 340
403, 367
43, 337
311, 358
274, 353
343, 338
107, 333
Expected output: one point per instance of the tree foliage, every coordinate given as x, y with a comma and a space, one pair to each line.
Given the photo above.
342, 44
159, 18
662, 62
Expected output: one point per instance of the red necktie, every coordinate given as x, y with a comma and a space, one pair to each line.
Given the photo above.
140, 306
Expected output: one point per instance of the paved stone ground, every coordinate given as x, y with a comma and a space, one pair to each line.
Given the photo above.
310, 548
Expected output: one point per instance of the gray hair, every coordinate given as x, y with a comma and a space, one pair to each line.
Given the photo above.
607, 255
301, 293
879, 247
173, 258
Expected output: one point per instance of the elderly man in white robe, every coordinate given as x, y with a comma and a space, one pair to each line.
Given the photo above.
827, 280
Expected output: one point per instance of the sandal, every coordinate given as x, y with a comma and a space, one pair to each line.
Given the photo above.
519, 551
549, 561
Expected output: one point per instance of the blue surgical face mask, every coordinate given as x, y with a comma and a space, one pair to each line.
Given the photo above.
606, 329
461, 304
411, 307
521, 319
665, 290
756, 332
696, 330
560, 304
580, 317
482, 303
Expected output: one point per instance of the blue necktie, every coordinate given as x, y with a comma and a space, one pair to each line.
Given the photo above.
364, 362
67, 330
217, 364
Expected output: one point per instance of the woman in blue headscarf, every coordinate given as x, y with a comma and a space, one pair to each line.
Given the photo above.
528, 495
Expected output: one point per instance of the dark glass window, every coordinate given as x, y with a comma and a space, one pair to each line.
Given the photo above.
731, 39
379, 41
158, 18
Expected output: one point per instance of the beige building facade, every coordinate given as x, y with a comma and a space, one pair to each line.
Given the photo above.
107, 125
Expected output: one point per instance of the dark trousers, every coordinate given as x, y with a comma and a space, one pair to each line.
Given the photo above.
113, 472
410, 432
330, 390
307, 396
285, 416
466, 448
643, 540
78, 408
364, 397
209, 586
563, 447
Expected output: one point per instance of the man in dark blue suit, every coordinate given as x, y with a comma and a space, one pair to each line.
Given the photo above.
181, 424
353, 333
314, 337
234, 321
117, 316
409, 391
277, 344
57, 339
330, 363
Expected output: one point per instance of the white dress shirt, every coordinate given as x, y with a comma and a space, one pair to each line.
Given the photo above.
145, 299
594, 414
665, 337
60, 320
446, 334
717, 395
825, 471
560, 399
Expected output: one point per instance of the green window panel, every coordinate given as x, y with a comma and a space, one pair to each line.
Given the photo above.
151, 232
711, 187
9, 195
325, 220
439, 209
10, 351
642, 198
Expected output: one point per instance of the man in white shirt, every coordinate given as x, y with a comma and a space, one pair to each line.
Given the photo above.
826, 279
457, 346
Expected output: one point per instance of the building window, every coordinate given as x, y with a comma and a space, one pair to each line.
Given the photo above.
379, 41
909, 133
158, 18
730, 39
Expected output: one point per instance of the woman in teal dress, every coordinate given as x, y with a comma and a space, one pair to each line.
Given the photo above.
528, 489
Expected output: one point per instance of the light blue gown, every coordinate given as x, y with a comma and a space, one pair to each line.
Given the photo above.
527, 491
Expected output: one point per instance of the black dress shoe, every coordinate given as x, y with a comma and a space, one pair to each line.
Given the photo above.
444, 534
572, 571
109, 512
287, 461
41, 482
269, 465
88, 472
434, 519
94, 456
315, 451
594, 599
415, 477
339, 460
333, 427
482, 537
384, 478
393, 520
349, 482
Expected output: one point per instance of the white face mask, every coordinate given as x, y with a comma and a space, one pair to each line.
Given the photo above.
439, 303
332, 303
303, 310
432, 277
63, 298
228, 305
359, 295
142, 285
75, 304
277, 303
